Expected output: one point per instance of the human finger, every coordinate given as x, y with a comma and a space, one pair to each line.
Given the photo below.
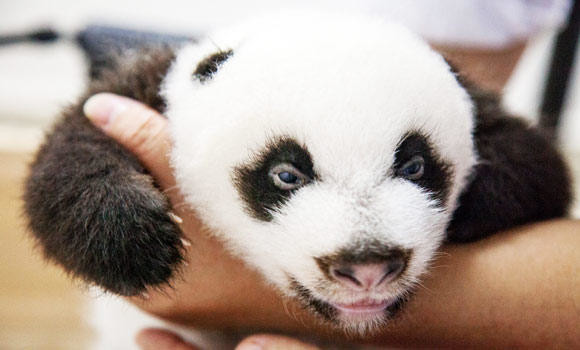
139, 128
273, 342
161, 339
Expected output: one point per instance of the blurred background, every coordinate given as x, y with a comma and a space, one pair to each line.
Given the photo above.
40, 308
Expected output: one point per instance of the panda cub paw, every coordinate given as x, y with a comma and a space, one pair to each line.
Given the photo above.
117, 232
143, 244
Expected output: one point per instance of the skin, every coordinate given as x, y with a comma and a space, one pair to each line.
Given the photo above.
516, 289
490, 68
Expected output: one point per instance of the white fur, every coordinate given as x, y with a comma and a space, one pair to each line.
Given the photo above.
116, 324
348, 89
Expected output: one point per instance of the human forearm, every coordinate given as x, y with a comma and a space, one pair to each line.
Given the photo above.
518, 288
489, 68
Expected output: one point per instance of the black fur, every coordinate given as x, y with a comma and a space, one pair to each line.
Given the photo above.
520, 178
253, 181
437, 173
91, 205
210, 65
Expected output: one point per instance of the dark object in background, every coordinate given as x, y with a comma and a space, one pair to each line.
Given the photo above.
101, 44
43, 35
558, 80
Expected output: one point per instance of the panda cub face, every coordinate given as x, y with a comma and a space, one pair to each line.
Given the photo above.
327, 151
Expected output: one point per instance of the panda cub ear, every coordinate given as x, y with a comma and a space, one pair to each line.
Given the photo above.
207, 68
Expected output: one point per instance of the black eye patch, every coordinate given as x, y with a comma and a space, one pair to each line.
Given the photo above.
437, 173
253, 180
210, 65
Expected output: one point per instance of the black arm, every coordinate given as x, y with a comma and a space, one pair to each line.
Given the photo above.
520, 177
91, 205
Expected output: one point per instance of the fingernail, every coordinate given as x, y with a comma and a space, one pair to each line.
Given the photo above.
250, 346
102, 108
156, 338
255, 343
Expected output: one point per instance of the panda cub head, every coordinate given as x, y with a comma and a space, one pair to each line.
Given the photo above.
327, 151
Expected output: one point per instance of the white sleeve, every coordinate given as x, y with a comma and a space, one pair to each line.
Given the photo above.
473, 23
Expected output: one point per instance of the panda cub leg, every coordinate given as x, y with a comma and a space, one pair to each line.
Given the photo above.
520, 177
92, 206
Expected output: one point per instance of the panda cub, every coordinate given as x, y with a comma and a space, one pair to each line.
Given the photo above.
333, 153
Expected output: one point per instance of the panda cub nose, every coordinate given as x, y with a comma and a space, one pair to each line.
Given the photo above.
368, 276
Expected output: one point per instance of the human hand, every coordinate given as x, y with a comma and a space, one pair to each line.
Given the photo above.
160, 339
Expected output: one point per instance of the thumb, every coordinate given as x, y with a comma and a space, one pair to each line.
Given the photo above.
273, 342
140, 129
161, 339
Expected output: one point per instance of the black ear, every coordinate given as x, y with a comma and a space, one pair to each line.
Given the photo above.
209, 66
520, 176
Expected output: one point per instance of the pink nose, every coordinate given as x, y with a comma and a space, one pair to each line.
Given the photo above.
367, 276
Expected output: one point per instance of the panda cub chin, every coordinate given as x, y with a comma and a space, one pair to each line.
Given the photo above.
333, 153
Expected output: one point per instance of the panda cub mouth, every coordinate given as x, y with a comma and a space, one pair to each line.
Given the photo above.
362, 315
363, 307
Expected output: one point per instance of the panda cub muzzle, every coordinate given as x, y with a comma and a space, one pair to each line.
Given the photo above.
364, 270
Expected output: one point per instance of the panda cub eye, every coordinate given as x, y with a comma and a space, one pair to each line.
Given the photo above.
412, 169
286, 177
